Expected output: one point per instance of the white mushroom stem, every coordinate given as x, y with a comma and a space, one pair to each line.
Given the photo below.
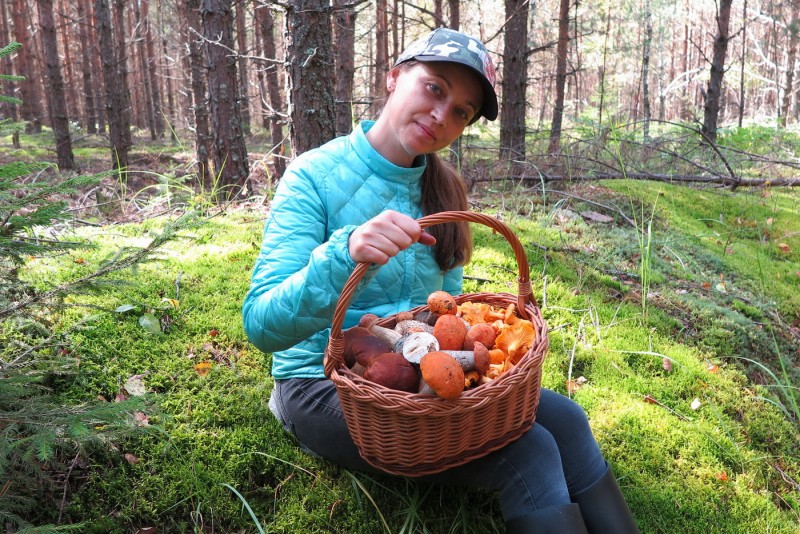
388, 335
465, 358
425, 389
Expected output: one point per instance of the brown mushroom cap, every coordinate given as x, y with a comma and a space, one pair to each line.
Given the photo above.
364, 349
392, 370
443, 374
349, 335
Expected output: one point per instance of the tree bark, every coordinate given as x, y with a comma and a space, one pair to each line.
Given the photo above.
190, 12
8, 110
714, 90
344, 44
561, 77
121, 55
118, 119
648, 39
744, 57
31, 108
788, 87
266, 24
86, 65
151, 71
241, 43
308, 48
229, 155
515, 78
139, 38
59, 117
381, 66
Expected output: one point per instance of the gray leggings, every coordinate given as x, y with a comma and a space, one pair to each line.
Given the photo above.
556, 458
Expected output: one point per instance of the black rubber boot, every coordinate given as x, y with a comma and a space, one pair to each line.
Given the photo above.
565, 519
604, 509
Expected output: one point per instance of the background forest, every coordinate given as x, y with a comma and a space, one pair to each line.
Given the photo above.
646, 153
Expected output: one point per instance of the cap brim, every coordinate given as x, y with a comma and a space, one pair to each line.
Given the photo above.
489, 106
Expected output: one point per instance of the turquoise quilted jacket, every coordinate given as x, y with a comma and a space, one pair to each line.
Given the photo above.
304, 260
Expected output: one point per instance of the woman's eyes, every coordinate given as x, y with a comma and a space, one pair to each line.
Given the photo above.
436, 90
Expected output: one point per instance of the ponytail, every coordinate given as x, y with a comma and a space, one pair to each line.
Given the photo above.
443, 189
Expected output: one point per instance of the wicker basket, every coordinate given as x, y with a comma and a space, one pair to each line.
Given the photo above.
413, 435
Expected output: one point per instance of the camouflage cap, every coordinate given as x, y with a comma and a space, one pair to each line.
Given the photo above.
444, 44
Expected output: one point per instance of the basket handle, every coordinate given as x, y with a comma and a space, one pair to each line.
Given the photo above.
334, 353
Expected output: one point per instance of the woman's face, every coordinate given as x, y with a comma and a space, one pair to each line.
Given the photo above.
429, 105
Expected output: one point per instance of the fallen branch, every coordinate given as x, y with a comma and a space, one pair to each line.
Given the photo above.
683, 178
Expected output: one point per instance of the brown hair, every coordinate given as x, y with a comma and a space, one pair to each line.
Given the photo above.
443, 189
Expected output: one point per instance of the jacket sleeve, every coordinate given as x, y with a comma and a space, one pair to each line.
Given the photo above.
298, 274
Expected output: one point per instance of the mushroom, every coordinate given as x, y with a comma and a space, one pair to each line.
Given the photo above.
393, 371
349, 336
472, 360
516, 339
450, 331
426, 316
408, 326
441, 375
364, 349
483, 332
369, 320
442, 302
418, 344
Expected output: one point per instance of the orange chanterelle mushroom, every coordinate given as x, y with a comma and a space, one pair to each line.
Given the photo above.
516, 339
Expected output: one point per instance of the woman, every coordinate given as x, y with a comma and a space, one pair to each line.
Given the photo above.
355, 199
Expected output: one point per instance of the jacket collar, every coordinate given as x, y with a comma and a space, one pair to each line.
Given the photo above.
377, 163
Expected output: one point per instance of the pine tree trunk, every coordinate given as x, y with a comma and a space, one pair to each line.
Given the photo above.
141, 53
515, 78
114, 100
714, 91
744, 57
561, 76
344, 42
308, 48
190, 11
381, 66
241, 43
648, 39
66, 29
266, 24
229, 155
86, 66
7, 109
151, 71
788, 87
58, 99
31, 107
121, 54
97, 67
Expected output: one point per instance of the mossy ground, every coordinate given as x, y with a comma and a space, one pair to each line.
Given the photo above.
691, 391
701, 439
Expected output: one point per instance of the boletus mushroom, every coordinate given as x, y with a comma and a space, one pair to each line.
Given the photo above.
442, 375
393, 371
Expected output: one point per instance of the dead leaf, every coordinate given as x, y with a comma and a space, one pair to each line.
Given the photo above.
135, 386
770, 220
722, 476
784, 248
141, 418
202, 368
650, 399
575, 385
712, 368
130, 458
79, 261
147, 530
213, 332
666, 363
695, 404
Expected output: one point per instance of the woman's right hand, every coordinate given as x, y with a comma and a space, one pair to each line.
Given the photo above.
383, 236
